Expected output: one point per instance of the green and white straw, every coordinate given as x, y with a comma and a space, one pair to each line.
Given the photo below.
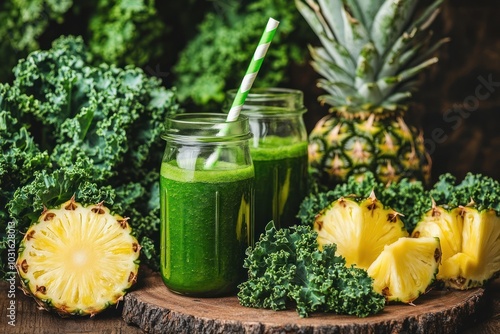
247, 82
253, 69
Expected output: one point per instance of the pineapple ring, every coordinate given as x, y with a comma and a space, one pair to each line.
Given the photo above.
78, 260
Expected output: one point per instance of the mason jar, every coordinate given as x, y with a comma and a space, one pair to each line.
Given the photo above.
206, 200
279, 152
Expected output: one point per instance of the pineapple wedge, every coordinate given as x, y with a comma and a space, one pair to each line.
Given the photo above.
78, 260
360, 230
406, 268
373, 237
470, 241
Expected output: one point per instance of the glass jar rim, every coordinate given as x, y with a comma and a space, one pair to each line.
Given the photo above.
206, 127
270, 101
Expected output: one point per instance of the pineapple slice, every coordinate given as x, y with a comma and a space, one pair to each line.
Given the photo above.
360, 230
406, 268
471, 244
78, 260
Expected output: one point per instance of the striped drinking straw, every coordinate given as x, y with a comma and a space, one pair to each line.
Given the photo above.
248, 79
253, 69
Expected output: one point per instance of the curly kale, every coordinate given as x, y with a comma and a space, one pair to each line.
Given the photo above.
484, 191
120, 32
71, 128
126, 32
23, 22
409, 198
285, 268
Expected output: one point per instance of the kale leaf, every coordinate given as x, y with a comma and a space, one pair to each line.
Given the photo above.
23, 22
71, 128
120, 32
480, 189
126, 32
286, 268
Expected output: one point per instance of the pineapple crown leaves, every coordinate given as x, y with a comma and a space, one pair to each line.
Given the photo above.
371, 51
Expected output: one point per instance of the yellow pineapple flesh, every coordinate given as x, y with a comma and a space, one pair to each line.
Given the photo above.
360, 230
406, 268
78, 260
470, 241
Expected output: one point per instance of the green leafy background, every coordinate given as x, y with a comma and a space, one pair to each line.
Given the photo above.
201, 47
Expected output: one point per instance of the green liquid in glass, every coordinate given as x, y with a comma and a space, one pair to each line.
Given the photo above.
205, 228
280, 181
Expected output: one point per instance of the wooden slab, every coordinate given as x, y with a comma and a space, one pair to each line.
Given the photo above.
155, 309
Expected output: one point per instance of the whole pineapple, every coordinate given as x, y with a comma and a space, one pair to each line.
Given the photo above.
78, 260
370, 55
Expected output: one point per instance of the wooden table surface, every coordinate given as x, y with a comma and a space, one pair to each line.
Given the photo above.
29, 319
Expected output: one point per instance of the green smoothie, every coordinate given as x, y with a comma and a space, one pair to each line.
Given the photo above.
205, 228
280, 183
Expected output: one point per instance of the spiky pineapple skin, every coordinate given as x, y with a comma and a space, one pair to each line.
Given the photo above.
393, 274
471, 244
360, 229
31, 255
390, 149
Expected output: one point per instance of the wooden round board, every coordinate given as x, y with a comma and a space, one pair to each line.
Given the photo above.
155, 309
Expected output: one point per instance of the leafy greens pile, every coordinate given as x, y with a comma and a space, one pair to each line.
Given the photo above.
483, 190
67, 127
286, 267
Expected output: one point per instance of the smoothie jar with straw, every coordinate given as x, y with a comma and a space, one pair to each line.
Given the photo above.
206, 197
279, 153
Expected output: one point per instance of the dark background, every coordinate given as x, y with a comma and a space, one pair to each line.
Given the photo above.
455, 99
